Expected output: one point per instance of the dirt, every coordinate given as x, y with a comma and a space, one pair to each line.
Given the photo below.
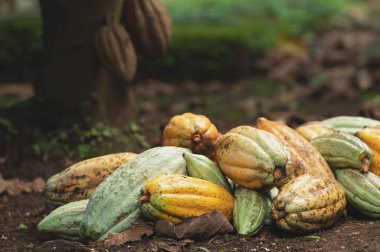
352, 233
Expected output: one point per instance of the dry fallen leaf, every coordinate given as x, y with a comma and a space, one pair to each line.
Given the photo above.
198, 228
135, 233
16, 186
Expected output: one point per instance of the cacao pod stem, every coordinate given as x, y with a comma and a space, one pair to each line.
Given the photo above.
145, 198
279, 172
197, 138
365, 165
278, 214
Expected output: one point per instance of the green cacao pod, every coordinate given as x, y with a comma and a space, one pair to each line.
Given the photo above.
199, 166
268, 220
116, 199
362, 190
64, 221
116, 52
253, 158
249, 211
342, 150
149, 25
350, 124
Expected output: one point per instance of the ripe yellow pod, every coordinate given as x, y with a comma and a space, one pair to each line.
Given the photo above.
80, 180
371, 136
311, 130
192, 131
177, 197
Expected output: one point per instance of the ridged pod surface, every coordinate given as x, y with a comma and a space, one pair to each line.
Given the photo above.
199, 166
313, 199
64, 221
80, 180
342, 150
116, 52
305, 158
362, 190
253, 158
371, 136
149, 25
176, 197
350, 124
311, 130
117, 198
308, 203
250, 211
192, 131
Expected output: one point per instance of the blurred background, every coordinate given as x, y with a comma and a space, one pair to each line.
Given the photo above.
232, 60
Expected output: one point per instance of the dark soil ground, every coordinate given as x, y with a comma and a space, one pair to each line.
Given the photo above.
290, 92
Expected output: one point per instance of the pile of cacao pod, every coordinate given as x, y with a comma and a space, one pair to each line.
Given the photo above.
268, 173
138, 27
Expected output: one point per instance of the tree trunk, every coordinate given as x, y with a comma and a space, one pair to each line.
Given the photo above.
72, 74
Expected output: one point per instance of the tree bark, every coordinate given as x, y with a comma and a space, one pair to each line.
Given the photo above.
72, 74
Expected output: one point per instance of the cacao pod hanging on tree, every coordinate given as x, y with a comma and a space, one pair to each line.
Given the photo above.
116, 52
149, 24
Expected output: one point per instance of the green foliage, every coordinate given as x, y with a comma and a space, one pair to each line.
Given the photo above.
47, 132
294, 16
85, 142
211, 38
20, 42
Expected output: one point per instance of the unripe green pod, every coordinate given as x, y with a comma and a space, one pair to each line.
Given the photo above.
350, 124
250, 211
64, 221
199, 166
268, 220
362, 190
342, 150
269, 194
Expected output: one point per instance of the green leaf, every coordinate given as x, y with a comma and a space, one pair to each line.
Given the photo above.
22, 226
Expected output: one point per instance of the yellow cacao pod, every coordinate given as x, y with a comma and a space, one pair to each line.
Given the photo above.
192, 131
308, 203
80, 180
314, 129
253, 158
371, 136
177, 197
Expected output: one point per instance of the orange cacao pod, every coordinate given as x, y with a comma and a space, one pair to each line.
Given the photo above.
116, 52
149, 25
192, 131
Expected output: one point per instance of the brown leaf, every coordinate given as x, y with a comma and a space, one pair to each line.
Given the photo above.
198, 228
138, 230
15, 187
